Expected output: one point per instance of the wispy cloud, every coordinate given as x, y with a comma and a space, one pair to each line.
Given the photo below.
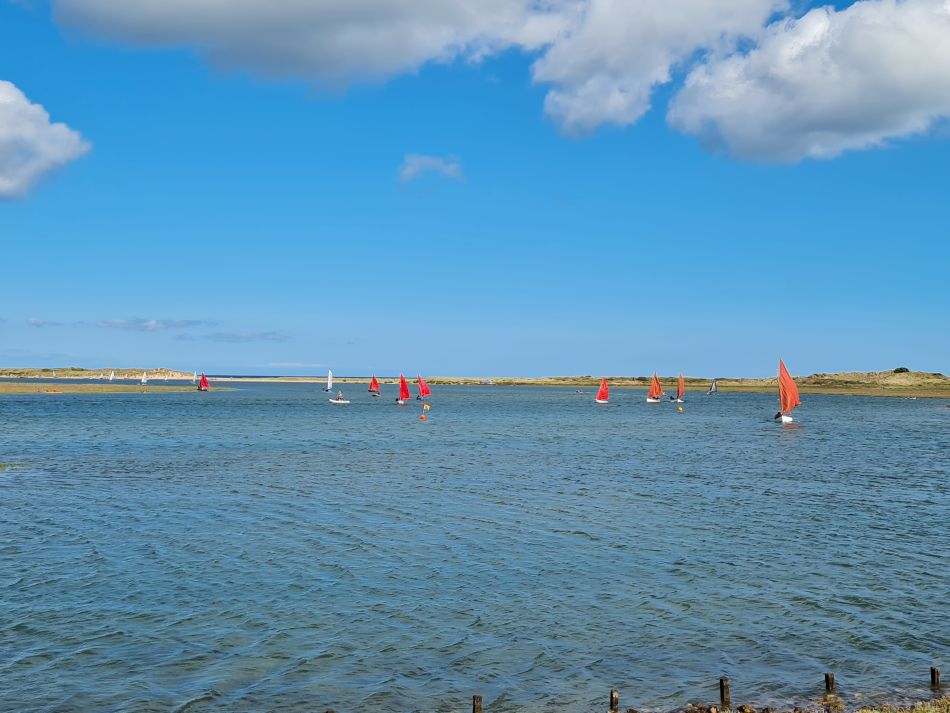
415, 165
150, 325
242, 337
36, 322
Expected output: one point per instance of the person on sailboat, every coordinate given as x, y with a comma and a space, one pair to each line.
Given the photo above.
777, 416
339, 396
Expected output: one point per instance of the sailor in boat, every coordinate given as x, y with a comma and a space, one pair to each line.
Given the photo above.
339, 396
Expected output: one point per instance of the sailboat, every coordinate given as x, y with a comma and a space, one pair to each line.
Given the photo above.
713, 388
656, 391
424, 389
338, 399
112, 375
203, 385
194, 376
144, 378
329, 380
54, 373
680, 389
787, 394
373, 386
403, 391
603, 394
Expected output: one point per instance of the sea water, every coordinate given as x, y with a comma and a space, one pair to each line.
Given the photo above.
263, 550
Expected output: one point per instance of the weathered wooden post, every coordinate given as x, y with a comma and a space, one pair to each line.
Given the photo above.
614, 700
829, 682
476, 704
724, 697
934, 677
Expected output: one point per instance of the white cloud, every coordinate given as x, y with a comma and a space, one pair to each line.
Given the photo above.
150, 325
36, 322
329, 41
604, 70
31, 146
828, 82
415, 165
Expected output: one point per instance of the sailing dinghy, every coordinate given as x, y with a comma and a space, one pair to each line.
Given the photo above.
203, 385
713, 388
680, 389
329, 387
656, 391
339, 399
112, 375
603, 394
144, 378
787, 394
373, 386
424, 389
403, 391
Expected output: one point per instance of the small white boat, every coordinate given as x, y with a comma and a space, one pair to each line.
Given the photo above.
603, 394
329, 386
339, 401
713, 388
656, 391
144, 378
403, 391
112, 375
680, 389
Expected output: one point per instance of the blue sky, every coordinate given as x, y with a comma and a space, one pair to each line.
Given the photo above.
230, 222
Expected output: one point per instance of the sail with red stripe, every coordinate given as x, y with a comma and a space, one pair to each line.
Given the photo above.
374, 385
680, 388
203, 384
403, 388
656, 391
787, 390
424, 389
603, 394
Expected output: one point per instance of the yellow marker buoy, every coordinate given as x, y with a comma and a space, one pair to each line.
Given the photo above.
426, 407
679, 409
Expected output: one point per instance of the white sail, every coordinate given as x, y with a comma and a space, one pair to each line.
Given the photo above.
112, 375
54, 373
194, 377
329, 379
713, 388
144, 377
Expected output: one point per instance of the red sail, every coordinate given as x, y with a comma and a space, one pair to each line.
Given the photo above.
424, 389
680, 388
656, 391
203, 384
374, 385
787, 390
403, 388
604, 393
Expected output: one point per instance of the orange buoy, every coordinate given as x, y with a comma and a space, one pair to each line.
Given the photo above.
422, 417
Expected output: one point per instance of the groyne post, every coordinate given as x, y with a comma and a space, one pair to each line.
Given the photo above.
934, 677
614, 700
829, 682
476, 704
724, 696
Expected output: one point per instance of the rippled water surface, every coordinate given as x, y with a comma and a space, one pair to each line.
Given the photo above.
261, 550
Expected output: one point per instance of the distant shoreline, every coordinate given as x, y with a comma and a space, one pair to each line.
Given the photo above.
898, 384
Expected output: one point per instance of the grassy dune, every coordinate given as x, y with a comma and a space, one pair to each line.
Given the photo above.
13, 387
77, 373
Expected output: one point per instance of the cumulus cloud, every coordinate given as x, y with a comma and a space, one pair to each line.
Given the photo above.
329, 41
415, 165
825, 83
150, 325
30, 145
605, 68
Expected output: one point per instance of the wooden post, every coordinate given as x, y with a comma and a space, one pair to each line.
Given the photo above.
829, 682
476, 704
724, 696
614, 700
934, 677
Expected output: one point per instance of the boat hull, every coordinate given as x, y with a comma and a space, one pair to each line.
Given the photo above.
600, 401
339, 402
653, 401
787, 419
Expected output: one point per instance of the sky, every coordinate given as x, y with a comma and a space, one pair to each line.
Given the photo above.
448, 187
